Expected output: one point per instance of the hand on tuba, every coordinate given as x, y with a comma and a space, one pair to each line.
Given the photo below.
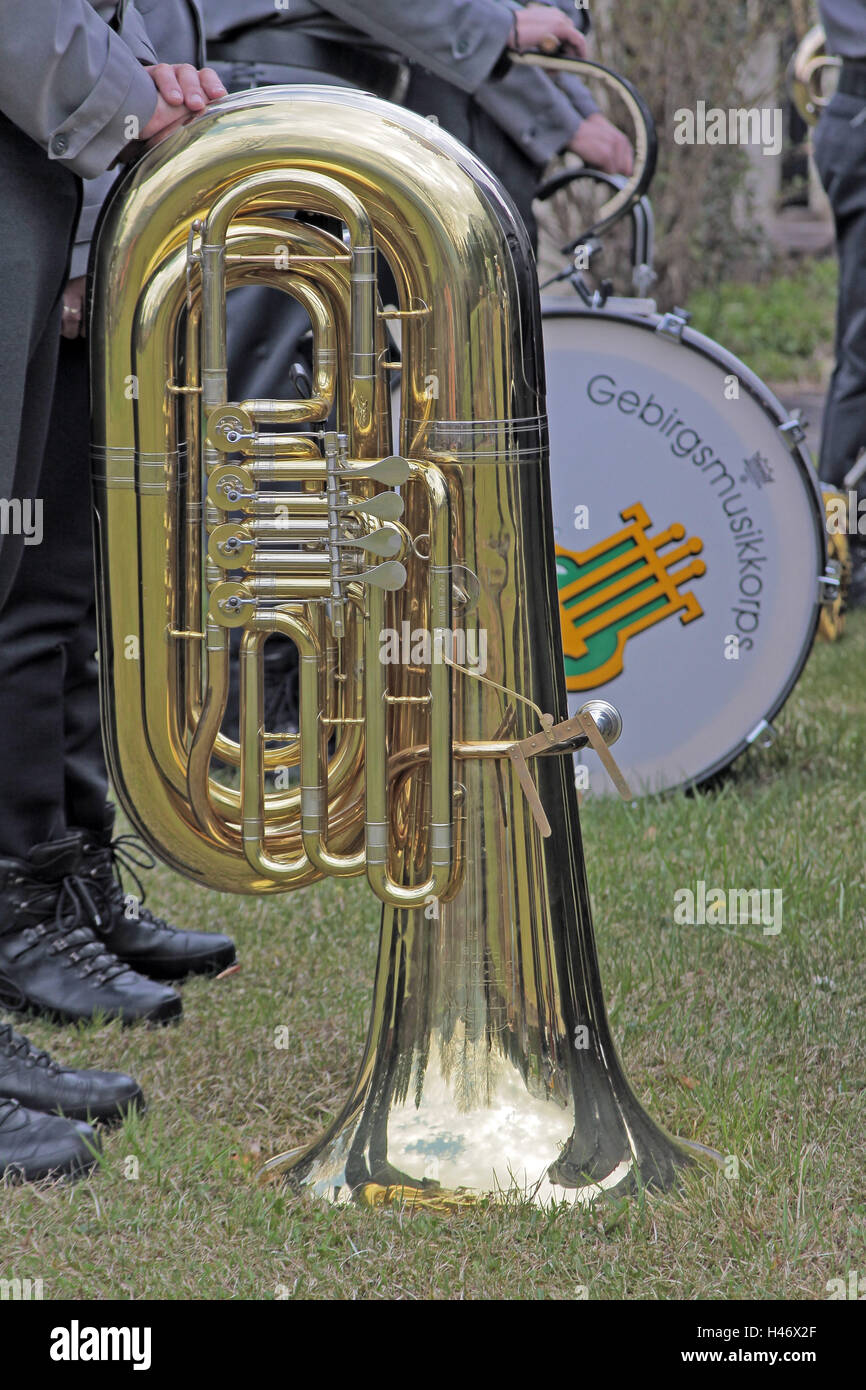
180, 91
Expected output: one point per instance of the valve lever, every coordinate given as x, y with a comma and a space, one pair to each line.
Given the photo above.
392, 470
384, 543
388, 506
389, 576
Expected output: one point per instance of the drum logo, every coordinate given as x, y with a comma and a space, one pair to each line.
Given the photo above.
619, 587
758, 471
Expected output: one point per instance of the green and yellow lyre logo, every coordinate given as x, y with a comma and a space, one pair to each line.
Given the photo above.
617, 588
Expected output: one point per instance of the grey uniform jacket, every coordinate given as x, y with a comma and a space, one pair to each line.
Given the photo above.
71, 83
540, 112
460, 41
845, 23
174, 30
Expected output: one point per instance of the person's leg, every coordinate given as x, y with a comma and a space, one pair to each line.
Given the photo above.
50, 960
69, 555
41, 629
50, 622
37, 214
85, 773
840, 154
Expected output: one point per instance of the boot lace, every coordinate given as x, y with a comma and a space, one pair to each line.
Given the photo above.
126, 854
68, 931
14, 1044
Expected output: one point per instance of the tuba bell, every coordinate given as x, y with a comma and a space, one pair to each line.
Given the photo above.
489, 1066
807, 69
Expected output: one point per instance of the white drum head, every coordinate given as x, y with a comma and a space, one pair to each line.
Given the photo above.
689, 543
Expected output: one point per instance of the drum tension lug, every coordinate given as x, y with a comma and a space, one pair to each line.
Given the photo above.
763, 734
793, 433
829, 584
673, 323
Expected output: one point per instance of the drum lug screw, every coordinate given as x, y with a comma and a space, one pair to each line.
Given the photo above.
829, 583
792, 433
672, 325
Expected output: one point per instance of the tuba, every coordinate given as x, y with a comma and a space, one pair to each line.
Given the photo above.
445, 779
806, 72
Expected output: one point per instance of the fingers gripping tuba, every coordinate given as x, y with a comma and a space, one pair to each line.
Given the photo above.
489, 1062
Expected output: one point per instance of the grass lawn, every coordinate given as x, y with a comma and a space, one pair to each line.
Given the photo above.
751, 1043
782, 328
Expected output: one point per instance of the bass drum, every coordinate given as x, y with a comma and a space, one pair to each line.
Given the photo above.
690, 541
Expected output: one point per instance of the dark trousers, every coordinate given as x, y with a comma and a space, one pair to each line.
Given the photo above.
840, 154
52, 772
38, 207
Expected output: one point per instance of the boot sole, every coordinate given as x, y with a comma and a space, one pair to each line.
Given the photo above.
107, 1117
160, 1017
170, 972
16, 1174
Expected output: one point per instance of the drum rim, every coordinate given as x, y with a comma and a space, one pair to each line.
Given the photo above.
763, 396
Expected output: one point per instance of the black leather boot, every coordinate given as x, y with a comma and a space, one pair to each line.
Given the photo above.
37, 1081
34, 1146
51, 962
129, 929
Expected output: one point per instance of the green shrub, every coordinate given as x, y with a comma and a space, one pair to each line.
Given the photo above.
782, 328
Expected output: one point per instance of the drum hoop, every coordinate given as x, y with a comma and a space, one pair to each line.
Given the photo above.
763, 396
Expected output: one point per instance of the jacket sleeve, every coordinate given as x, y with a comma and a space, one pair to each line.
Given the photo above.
579, 95
130, 23
173, 26
540, 111
535, 111
70, 82
458, 40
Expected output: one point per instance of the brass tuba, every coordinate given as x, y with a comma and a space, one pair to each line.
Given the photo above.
446, 779
806, 72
